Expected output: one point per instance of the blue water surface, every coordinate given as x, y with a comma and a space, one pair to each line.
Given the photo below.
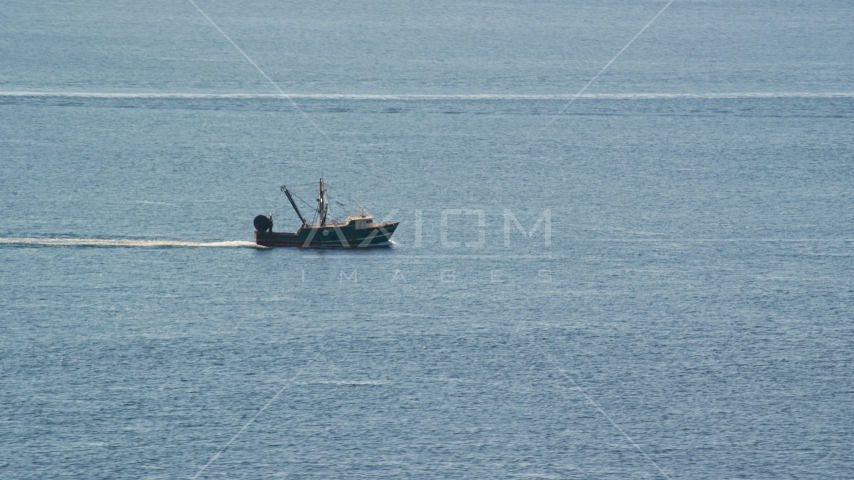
656, 283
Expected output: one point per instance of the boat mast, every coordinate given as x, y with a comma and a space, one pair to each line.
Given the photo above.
322, 205
293, 204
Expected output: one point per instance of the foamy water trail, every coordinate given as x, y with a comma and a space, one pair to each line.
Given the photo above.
99, 242
423, 97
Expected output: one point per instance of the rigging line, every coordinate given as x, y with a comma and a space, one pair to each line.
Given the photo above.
285, 95
605, 67
301, 200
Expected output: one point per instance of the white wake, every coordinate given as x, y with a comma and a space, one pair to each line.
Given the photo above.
99, 242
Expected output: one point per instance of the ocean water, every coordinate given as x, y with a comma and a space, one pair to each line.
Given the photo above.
658, 282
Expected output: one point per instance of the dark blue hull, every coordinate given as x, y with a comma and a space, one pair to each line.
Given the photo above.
340, 236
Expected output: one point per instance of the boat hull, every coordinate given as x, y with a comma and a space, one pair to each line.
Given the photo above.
330, 236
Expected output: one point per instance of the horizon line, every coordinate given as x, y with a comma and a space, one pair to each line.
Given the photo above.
422, 97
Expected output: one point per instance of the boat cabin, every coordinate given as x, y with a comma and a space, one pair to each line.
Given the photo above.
359, 230
361, 222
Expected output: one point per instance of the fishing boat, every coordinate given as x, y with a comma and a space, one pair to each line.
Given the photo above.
358, 231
